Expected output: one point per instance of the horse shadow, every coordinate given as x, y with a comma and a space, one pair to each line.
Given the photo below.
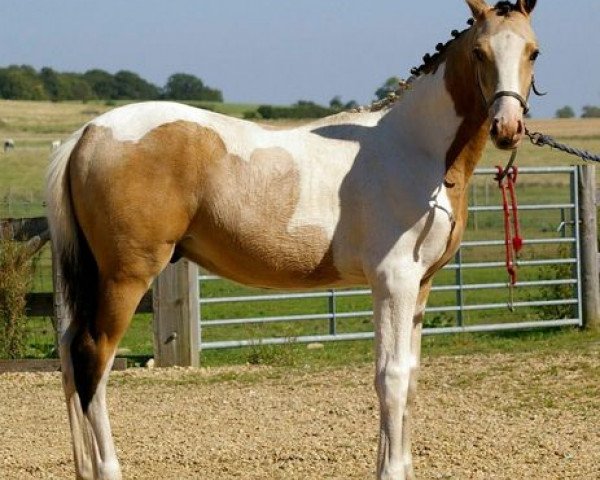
385, 193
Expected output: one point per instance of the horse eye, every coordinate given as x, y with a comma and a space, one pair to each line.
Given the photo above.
479, 55
533, 57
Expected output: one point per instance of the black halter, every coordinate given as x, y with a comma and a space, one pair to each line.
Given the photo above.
509, 93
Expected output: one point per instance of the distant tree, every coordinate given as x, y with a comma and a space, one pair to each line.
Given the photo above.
565, 112
21, 82
183, 86
590, 111
51, 82
102, 83
265, 111
130, 86
301, 109
65, 86
390, 85
212, 94
73, 86
336, 103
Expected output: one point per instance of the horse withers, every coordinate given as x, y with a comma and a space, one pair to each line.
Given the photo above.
376, 197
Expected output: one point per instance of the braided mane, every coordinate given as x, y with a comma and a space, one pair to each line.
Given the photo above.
503, 8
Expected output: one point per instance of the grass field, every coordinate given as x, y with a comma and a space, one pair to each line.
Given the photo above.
34, 125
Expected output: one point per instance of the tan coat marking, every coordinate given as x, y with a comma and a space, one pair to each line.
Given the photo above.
241, 228
228, 214
468, 145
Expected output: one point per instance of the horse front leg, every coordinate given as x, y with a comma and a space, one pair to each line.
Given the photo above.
415, 350
395, 294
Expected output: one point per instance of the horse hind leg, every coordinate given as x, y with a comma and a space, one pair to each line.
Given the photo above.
88, 353
81, 440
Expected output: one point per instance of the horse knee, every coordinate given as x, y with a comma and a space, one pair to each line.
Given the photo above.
392, 385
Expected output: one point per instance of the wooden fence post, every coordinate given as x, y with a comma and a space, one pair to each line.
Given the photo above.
590, 288
176, 316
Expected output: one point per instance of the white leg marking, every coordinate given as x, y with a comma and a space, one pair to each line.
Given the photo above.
80, 434
415, 355
395, 296
106, 464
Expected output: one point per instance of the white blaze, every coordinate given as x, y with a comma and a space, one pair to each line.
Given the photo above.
508, 50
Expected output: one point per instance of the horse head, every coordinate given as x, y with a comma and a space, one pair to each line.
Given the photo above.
504, 50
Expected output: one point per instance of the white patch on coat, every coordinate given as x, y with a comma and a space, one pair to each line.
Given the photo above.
426, 135
105, 461
508, 49
427, 126
427, 121
132, 122
322, 165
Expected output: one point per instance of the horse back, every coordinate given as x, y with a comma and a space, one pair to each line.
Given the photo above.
241, 212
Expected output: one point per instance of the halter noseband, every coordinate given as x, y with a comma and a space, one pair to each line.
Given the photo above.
509, 93
504, 93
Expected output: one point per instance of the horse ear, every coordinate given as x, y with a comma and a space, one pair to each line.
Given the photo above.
526, 6
478, 7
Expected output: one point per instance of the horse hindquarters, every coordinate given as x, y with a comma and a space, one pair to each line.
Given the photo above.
103, 281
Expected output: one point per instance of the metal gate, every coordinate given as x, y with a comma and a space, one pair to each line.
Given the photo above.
469, 295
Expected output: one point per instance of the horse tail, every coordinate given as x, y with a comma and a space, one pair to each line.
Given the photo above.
78, 266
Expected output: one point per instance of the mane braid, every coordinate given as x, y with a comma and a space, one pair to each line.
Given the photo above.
428, 61
503, 8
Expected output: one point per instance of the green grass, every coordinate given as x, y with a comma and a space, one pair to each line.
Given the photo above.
546, 341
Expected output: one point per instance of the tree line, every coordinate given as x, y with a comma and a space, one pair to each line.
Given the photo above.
23, 82
588, 111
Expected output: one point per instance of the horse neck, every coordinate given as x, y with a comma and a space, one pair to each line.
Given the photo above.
442, 114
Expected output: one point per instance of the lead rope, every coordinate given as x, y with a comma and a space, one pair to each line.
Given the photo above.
507, 179
541, 140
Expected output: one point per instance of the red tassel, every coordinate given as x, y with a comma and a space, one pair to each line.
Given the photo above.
512, 239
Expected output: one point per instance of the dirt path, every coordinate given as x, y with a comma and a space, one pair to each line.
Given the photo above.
525, 416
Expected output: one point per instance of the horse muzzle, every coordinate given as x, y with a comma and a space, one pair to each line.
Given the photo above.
507, 127
506, 134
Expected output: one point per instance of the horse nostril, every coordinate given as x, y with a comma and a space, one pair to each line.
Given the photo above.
520, 128
504, 143
494, 129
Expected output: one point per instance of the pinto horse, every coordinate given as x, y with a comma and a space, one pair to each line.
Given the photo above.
374, 197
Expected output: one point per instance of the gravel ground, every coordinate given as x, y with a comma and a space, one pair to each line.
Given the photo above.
522, 416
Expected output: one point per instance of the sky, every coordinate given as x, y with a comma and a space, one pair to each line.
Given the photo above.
279, 51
